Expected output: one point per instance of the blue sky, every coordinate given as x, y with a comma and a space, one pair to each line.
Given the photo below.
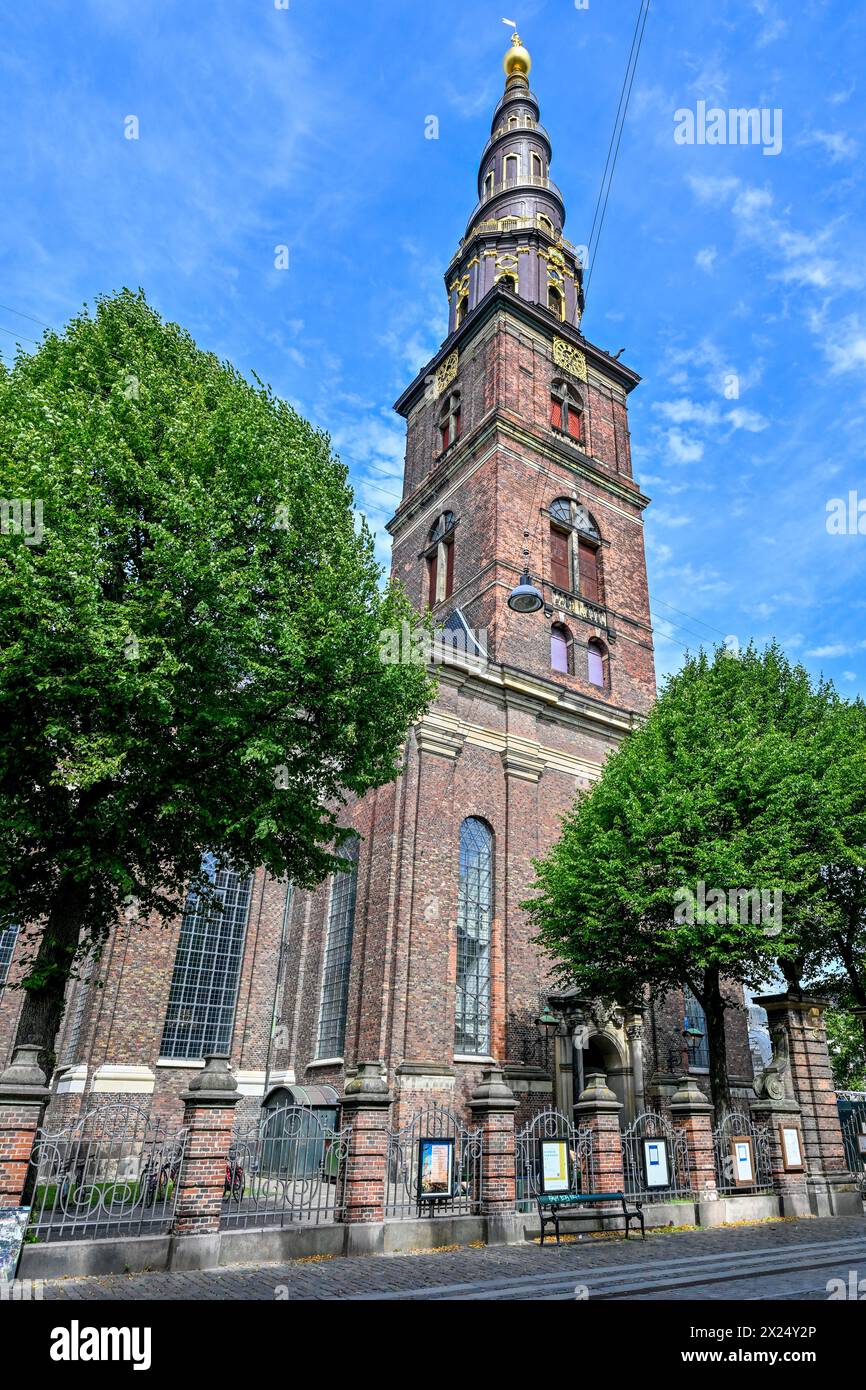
304, 127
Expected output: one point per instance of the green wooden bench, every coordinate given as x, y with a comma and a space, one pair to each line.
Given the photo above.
554, 1207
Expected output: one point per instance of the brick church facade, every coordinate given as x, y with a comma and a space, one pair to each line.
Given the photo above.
517, 456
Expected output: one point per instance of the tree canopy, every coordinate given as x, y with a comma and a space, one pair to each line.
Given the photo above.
190, 619
667, 870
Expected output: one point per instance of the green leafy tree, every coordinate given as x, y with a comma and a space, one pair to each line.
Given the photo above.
190, 619
713, 790
834, 946
847, 1050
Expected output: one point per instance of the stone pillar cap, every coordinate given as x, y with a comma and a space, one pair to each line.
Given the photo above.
369, 1086
596, 1093
493, 1092
24, 1079
689, 1096
215, 1084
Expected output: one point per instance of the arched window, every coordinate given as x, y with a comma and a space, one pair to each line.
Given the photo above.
474, 922
207, 967
489, 180
555, 301
440, 559
449, 420
462, 309
695, 1018
575, 550
511, 167
508, 281
512, 123
566, 410
338, 955
545, 224
537, 165
596, 662
560, 649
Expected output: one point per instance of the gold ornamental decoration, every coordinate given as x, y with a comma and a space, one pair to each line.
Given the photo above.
445, 373
570, 358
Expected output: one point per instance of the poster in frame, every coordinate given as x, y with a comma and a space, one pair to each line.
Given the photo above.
435, 1169
743, 1159
554, 1169
792, 1148
656, 1162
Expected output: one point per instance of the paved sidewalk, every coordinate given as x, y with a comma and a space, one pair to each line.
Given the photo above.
730, 1260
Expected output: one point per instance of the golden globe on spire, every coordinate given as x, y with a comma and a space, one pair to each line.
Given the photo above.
517, 61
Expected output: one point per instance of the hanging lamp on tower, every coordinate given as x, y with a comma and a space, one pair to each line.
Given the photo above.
524, 597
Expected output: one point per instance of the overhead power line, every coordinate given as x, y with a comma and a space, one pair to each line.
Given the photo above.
615, 139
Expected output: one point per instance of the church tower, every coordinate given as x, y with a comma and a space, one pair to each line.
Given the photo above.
517, 454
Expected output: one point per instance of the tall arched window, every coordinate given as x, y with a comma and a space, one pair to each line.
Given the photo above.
462, 310
575, 550
560, 648
489, 180
338, 956
596, 662
474, 922
537, 165
511, 167
207, 967
440, 559
566, 410
555, 301
449, 420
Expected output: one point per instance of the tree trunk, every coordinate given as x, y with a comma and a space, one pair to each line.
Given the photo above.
44, 984
714, 1009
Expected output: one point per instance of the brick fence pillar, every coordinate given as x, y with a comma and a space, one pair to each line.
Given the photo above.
692, 1115
802, 1059
598, 1109
790, 1186
209, 1111
367, 1109
493, 1106
24, 1095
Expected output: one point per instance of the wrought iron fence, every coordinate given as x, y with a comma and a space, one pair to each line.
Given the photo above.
852, 1117
742, 1155
409, 1190
552, 1124
655, 1159
287, 1167
114, 1172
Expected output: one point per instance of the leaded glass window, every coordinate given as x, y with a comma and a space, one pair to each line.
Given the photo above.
207, 967
8, 937
694, 1017
474, 919
82, 991
338, 956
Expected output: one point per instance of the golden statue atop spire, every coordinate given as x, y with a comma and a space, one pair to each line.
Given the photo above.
517, 61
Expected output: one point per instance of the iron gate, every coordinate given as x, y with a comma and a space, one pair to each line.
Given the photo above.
552, 1124
404, 1195
638, 1155
114, 1172
738, 1125
286, 1167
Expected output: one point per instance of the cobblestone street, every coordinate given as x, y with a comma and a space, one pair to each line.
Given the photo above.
767, 1260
